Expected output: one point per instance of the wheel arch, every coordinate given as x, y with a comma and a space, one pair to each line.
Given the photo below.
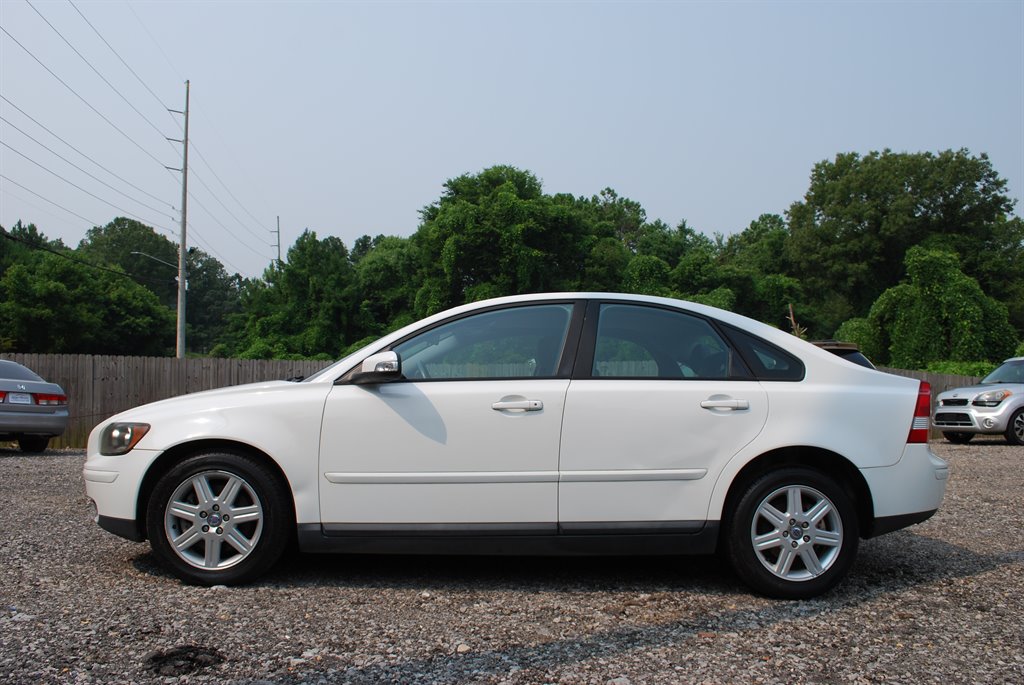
166, 461
833, 465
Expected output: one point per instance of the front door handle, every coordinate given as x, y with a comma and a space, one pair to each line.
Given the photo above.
523, 405
725, 404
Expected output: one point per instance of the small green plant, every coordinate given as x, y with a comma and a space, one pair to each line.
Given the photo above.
957, 368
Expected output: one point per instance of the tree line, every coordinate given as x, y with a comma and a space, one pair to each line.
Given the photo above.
917, 257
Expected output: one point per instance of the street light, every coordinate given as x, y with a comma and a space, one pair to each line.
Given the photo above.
181, 308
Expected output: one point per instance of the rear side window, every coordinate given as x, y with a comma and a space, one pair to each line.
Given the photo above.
768, 362
635, 341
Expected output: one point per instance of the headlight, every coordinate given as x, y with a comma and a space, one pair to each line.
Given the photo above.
121, 438
991, 398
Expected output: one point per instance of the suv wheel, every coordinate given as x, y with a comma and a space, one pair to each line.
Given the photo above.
1015, 429
793, 534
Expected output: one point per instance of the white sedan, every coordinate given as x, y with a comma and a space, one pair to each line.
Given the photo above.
566, 423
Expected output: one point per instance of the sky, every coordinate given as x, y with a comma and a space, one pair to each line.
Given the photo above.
348, 118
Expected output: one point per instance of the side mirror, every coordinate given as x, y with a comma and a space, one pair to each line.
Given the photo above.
382, 367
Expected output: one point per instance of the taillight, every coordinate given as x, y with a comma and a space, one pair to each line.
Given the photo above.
2, 396
50, 400
922, 414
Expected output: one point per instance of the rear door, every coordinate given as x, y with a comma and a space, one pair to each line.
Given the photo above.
658, 404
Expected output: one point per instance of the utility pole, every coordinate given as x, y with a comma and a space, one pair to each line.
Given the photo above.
279, 241
182, 251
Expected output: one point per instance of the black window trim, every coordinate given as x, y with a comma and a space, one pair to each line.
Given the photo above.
732, 332
588, 345
565, 362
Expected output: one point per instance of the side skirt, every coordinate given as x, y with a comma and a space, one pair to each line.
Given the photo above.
590, 539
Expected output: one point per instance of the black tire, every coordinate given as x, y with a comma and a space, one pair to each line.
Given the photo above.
1015, 429
33, 443
957, 438
829, 540
234, 533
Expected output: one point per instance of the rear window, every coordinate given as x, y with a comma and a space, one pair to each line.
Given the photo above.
16, 372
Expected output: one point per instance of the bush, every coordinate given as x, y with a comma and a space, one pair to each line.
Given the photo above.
962, 368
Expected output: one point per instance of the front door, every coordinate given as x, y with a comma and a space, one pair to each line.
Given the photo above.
467, 441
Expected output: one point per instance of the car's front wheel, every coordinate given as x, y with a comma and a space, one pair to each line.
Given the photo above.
219, 518
957, 438
792, 534
1015, 429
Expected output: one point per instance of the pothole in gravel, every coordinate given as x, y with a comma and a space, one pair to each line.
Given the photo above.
182, 660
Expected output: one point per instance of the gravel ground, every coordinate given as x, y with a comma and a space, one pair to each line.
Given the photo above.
941, 602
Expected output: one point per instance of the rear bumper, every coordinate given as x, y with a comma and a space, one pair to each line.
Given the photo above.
907, 492
33, 423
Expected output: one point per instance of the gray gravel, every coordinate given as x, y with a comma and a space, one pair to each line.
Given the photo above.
942, 602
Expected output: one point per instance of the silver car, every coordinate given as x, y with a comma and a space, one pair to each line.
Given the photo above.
31, 410
994, 407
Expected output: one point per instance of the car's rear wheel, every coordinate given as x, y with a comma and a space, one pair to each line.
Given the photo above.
33, 443
219, 518
957, 438
792, 534
1015, 429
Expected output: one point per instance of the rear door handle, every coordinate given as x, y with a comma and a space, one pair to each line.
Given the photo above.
524, 405
725, 404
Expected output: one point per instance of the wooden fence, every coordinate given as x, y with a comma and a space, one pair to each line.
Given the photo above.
99, 386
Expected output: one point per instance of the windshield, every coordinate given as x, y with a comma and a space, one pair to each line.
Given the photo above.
1009, 372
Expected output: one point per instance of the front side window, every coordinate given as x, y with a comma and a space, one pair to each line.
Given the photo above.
519, 342
647, 342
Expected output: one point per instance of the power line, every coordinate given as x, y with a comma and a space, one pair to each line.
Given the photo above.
99, 180
71, 183
221, 203
40, 125
45, 199
230, 232
225, 187
95, 70
8, 191
137, 77
193, 145
86, 102
210, 250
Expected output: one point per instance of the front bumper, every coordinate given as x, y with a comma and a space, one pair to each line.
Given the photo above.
971, 419
114, 485
907, 492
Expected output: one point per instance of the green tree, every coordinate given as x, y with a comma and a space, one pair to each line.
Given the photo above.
21, 242
385, 283
849, 235
303, 307
132, 246
50, 304
151, 259
496, 233
939, 314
